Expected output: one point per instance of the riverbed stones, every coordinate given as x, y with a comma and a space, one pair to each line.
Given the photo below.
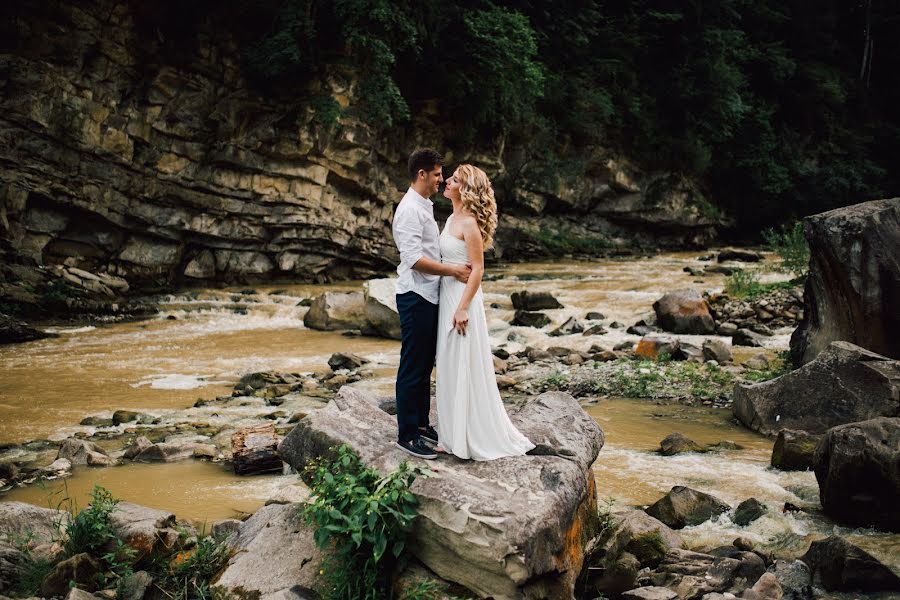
858, 470
145, 530
140, 444
570, 327
346, 360
650, 593
678, 443
273, 556
534, 301
506, 528
381, 312
134, 586
747, 337
748, 511
22, 520
738, 255
717, 350
684, 311
843, 385
694, 574
81, 570
757, 362
524, 318
335, 310
61, 467
839, 565
683, 506
854, 280
794, 450
651, 347
175, 451
83, 452
647, 538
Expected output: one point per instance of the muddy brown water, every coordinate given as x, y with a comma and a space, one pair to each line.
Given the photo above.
204, 340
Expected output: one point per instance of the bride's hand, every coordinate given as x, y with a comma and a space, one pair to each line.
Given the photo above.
460, 320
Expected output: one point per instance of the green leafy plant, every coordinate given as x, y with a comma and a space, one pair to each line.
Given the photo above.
362, 519
189, 579
90, 530
743, 283
790, 244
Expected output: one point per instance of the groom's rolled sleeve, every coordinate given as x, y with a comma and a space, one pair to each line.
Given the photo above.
408, 235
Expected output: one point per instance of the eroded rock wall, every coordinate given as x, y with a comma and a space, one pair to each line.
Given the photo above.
116, 158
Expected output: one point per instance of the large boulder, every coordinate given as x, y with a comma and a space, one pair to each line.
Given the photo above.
684, 311
533, 301
381, 308
639, 534
843, 385
841, 566
853, 285
273, 553
13, 564
513, 527
858, 470
683, 506
144, 529
81, 570
22, 520
335, 310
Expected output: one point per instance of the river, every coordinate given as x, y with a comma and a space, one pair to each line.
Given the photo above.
204, 340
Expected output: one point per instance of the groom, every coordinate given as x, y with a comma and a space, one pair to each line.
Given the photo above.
420, 270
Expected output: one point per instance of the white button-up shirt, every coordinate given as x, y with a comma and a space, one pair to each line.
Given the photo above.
416, 235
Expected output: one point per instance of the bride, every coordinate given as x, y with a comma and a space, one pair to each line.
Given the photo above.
472, 422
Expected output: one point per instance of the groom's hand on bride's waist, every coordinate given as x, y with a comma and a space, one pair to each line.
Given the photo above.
462, 272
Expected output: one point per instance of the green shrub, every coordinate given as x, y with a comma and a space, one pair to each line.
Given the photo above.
189, 579
90, 530
790, 244
743, 284
362, 519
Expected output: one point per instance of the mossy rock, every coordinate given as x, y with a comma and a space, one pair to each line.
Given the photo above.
649, 548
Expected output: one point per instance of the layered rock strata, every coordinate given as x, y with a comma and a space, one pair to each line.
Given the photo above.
116, 157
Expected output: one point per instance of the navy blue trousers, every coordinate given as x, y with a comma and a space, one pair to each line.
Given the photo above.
418, 344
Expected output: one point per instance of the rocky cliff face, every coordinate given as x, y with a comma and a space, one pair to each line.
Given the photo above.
115, 159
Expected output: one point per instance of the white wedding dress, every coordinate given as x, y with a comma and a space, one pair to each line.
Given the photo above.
471, 421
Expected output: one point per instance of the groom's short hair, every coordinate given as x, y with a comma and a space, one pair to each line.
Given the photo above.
423, 159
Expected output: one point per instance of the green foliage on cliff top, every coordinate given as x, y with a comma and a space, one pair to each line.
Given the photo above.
779, 109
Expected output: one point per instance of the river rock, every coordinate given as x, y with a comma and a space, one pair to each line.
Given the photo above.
652, 347
346, 360
677, 443
273, 554
134, 586
650, 593
22, 520
854, 280
13, 563
638, 533
684, 311
795, 579
381, 307
226, 528
858, 470
794, 450
727, 328
146, 530
765, 588
536, 354
82, 452
748, 511
14, 331
717, 350
503, 528
757, 362
127, 416
335, 310
530, 319
683, 506
571, 326
60, 467
81, 569
747, 337
534, 301
594, 316
136, 447
738, 255
844, 384
841, 566
693, 574
175, 451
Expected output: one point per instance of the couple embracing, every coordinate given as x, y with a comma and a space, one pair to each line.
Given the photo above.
442, 318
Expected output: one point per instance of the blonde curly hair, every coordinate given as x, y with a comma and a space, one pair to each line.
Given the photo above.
477, 198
